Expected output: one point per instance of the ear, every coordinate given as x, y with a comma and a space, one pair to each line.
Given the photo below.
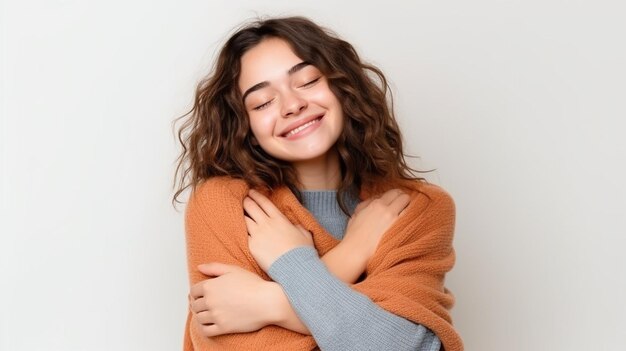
254, 141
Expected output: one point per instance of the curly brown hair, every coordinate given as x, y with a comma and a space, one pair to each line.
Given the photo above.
216, 137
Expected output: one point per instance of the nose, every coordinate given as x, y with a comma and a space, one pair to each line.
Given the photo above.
293, 104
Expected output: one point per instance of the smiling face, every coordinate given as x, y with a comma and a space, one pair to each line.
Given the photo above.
294, 116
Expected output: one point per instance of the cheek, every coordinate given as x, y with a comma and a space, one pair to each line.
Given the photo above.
339, 124
323, 95
326, 98
261, 126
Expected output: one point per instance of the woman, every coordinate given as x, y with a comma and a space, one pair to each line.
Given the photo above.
306, 227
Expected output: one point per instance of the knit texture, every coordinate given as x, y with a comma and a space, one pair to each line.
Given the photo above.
324, 207
405, 276
339, 318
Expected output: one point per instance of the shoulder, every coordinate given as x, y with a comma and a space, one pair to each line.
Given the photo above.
427, 199
430, 216
430, 199
435, 193
219, 189
214, 224
217, 194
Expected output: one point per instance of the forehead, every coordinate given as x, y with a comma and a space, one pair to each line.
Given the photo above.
268, 61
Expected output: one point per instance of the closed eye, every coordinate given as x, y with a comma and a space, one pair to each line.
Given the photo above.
262, 106
311, 82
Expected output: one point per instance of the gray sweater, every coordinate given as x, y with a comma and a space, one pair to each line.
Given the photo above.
338, 317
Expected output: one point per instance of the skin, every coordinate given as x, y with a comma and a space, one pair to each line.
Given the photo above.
234, 300
292, 98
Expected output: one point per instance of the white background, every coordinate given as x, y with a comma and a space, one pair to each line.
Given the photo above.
519, 105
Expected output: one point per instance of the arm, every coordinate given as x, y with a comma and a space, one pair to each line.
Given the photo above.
406, 275
271, 232
215, 232
224, 243
338, 317
347, 260
233, 292
330, 308
341, 261
344, 262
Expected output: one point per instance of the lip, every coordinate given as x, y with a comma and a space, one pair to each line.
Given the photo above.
300, 122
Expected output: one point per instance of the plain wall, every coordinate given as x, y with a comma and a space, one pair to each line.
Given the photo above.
519, 105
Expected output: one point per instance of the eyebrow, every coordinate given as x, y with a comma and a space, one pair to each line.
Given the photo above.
264, 84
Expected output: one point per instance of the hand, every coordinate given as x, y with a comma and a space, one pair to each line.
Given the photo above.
371, 219
270, 233
234, 301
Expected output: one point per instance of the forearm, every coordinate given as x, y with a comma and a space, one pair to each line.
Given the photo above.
338, 317
281, 312
345, 262
342, 261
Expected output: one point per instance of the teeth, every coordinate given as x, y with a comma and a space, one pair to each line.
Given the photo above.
304, 126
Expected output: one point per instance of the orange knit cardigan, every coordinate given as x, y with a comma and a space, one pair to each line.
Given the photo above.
405, 276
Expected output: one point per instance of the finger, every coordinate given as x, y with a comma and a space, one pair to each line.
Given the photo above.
266, 204
215, 269
204, 318
197, 290
362, 205
198, 305
390, 195
250, 224
304, 232
307, 235
400, 203
211, 330
253, 210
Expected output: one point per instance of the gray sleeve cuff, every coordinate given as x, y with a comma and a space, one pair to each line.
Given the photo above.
338, 317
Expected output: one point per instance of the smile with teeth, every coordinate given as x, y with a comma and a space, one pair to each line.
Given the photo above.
302, 127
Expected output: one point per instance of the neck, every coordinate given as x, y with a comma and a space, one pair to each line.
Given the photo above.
322, 173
